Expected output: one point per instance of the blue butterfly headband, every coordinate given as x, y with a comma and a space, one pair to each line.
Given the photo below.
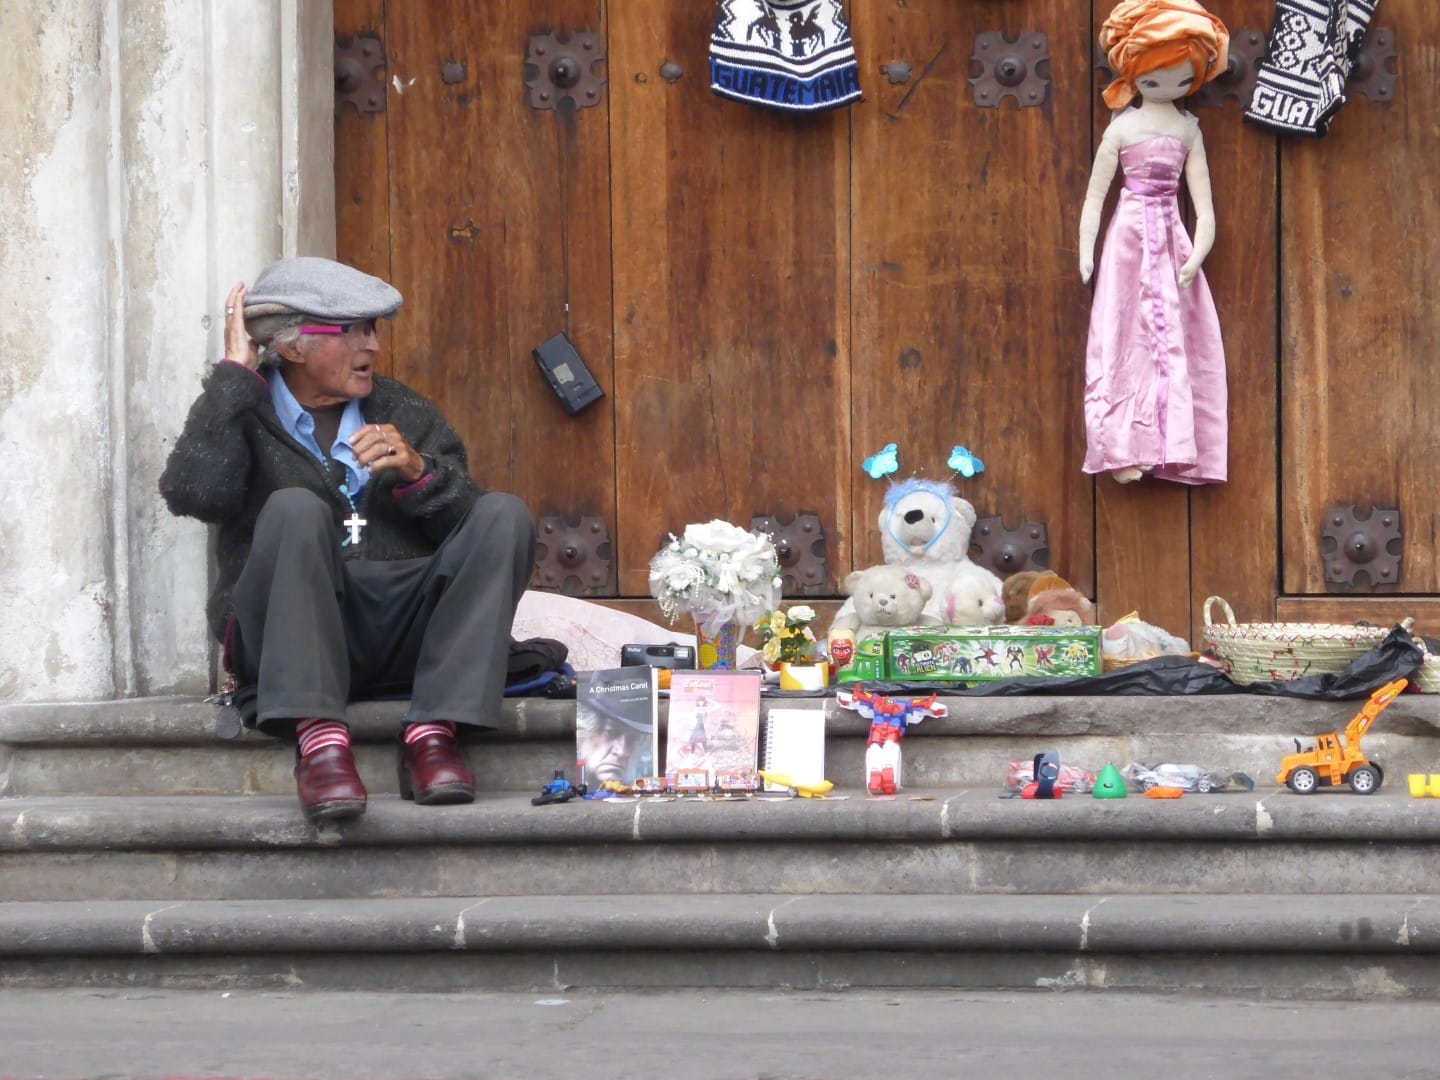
887, 462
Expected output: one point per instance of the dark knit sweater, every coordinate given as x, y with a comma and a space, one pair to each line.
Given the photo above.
234, 453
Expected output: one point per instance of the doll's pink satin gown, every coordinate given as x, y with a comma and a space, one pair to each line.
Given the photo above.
1154, 364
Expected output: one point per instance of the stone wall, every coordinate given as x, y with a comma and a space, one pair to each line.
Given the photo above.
152, 153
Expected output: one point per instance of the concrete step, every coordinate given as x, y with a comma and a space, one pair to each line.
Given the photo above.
165, 746
956, 842
1305, 944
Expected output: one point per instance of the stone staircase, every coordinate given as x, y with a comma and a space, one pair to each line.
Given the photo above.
136, 849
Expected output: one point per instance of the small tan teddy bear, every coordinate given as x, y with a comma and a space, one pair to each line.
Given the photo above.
885, 597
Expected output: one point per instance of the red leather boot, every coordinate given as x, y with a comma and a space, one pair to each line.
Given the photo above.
432, 771
328, 785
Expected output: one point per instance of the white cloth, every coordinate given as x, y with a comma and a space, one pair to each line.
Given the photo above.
593, 633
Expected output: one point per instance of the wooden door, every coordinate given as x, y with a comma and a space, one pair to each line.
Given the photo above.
766, 300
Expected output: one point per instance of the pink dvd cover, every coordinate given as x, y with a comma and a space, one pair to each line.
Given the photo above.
714, 721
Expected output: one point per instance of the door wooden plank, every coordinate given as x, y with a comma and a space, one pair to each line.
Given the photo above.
362, 182
969, 312
1234, 527
731, 296
499, 220
1361, 329
1375, 610
1142, 530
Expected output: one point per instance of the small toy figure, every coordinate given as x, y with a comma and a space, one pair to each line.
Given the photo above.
1021, 774
889, 718
1155, 393
558, 790
1047, 776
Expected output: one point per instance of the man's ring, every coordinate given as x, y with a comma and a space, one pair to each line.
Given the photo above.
229, 311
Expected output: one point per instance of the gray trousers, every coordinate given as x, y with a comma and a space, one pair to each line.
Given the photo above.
315, 631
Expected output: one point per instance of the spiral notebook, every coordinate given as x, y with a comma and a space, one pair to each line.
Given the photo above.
794, 745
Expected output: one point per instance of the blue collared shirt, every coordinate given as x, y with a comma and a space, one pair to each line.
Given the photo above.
301, 426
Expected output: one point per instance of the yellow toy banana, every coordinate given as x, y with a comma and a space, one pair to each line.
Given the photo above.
805, 791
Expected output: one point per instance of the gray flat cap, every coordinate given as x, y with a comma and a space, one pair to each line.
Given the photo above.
324, 290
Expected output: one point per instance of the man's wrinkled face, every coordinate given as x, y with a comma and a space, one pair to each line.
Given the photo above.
330, 368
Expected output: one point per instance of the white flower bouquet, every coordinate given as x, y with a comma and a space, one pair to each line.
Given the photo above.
718, 573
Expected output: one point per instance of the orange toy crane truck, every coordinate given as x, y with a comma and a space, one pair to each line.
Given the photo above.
1333, 761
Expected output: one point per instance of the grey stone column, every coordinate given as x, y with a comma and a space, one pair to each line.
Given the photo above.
152, 153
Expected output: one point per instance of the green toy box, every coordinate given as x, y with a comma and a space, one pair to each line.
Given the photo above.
868, 663
985, 653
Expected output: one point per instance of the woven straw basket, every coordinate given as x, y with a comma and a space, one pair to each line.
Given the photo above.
1278, 652
1427, 679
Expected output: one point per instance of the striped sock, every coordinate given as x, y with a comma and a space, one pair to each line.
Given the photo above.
315, 733
416, 732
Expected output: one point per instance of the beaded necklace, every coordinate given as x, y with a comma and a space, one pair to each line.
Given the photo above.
354, 522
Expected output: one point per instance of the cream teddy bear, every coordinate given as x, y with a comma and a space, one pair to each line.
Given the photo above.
882, 598
973, 600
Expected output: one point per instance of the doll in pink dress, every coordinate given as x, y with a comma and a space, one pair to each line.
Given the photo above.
1155, 395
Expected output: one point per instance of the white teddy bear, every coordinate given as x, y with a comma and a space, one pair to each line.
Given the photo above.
925, 528
881, 598
973, 599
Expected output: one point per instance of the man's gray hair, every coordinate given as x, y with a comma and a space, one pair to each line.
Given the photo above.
288, 337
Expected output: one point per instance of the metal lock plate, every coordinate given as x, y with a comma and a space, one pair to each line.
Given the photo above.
1237, 82
1361, 549
360, 74
996, 546
800, 545
1374, 73
559, 70
1001, 68
574, 557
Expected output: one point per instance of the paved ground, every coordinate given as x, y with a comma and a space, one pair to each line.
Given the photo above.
691, 1035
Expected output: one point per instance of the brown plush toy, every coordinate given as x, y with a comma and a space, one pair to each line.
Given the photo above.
1053, 601
1016, 593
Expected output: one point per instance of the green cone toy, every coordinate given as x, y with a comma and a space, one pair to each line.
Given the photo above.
1109, 784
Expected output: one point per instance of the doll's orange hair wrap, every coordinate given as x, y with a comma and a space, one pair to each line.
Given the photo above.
1142, 36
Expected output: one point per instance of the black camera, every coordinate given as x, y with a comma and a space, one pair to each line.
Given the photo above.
567, 374
671, 656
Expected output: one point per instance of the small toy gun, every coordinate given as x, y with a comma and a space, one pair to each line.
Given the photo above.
557, 790
804, 791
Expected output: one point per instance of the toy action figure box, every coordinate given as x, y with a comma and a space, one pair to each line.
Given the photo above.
867, 663
985, 653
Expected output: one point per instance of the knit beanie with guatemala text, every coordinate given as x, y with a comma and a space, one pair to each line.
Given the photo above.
792, 55
1312, 49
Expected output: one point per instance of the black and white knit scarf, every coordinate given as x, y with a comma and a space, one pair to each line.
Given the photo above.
1313, 45
794, 55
